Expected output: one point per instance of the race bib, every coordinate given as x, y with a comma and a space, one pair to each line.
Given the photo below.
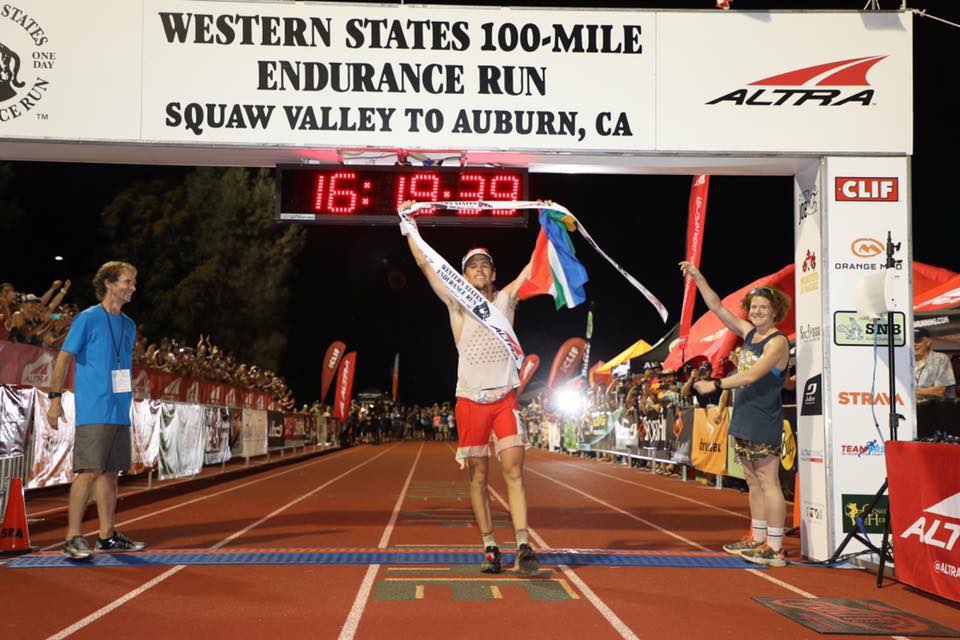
122, 381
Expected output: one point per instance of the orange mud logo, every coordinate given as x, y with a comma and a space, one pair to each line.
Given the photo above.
26, 64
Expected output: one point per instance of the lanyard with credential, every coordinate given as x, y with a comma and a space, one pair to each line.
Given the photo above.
113, 340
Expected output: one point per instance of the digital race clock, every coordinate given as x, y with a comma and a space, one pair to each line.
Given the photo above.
359, 195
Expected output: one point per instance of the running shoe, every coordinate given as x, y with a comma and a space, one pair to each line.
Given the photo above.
746, 543
76, 548
764, 554
491, 560
119, 542
527, 562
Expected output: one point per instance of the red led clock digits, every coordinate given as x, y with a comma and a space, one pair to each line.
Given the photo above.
475, 193
424, 187
337, 199
504, 187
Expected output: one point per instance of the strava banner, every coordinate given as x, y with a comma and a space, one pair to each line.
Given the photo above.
565, 362
341, 401
925, 515
330, 361
696, 219
530, 365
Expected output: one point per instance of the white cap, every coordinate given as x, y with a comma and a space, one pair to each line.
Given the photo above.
476, 251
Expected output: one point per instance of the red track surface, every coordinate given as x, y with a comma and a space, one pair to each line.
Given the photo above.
408, 494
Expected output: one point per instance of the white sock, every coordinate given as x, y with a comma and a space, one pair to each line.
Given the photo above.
522, 537
489, 540
760, 530
775, 538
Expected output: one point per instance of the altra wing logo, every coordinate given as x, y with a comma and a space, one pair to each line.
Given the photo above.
949, 507
828, 84
939, 531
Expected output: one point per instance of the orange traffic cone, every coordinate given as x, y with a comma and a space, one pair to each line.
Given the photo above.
14, 534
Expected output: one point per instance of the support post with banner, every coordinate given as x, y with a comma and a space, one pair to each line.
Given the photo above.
844, 208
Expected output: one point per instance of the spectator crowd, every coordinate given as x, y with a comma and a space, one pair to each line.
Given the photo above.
44, 321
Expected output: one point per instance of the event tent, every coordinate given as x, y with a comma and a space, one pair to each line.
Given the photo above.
638, 348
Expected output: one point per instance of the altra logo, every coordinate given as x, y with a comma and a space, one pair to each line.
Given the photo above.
809, 86
172, 390
39, 372
141, 385
940, 532
867, 189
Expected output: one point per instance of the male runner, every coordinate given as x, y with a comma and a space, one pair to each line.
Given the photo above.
486, 401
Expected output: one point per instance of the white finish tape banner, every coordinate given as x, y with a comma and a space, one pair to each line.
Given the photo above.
276, 75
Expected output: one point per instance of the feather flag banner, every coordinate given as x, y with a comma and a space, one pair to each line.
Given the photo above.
555, 269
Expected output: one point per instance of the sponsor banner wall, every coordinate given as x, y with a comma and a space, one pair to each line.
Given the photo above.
275, 429
748, 100
709, 451
682, 436
810, 331
52, 448
254, 442
864, 199
22, 364
348, 75
145, 437
182, 438
217, 421
925, 515
16, 409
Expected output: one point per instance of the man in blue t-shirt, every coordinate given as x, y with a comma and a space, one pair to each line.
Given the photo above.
101, 343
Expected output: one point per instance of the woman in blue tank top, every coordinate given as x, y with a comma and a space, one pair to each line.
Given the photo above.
757, 422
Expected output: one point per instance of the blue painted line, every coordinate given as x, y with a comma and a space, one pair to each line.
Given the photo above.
386, 557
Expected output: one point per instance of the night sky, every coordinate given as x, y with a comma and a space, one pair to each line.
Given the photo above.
360, 285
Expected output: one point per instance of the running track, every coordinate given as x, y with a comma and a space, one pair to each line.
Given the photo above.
408, 495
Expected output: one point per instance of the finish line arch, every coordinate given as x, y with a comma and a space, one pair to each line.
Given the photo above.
553, 90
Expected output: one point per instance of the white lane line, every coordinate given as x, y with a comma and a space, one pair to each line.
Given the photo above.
585, 467
762, 574
612, 619
179, 505
619, 625
622, 511
99, 613
349, 628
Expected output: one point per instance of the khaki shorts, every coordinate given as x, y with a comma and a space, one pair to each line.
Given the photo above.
101, 447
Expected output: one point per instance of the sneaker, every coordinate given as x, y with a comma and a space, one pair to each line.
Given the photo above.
764, 554
119, 542
76, 548
527, 562
491, 560
746, 543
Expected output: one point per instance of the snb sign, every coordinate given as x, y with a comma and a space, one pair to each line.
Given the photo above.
867, 190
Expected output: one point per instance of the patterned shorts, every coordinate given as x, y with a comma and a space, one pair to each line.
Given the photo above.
753, 451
